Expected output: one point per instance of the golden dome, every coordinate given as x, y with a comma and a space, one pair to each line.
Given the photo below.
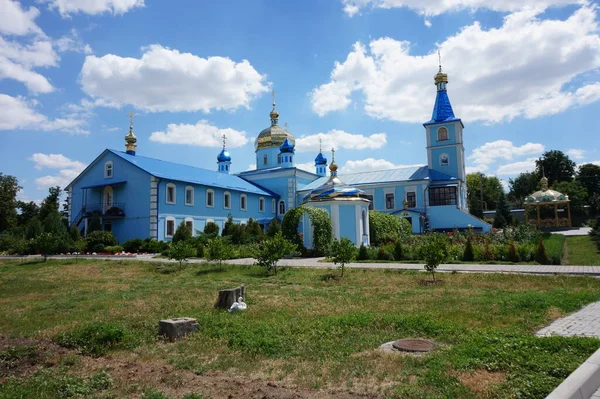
272, 137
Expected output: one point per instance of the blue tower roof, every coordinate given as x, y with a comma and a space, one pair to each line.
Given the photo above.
442, 109
320, 160
286, 146
224, 156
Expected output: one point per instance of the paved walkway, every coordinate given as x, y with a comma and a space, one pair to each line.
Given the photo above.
581, 231
585, 323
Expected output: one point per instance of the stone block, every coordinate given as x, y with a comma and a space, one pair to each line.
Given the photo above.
227, 297
177, 327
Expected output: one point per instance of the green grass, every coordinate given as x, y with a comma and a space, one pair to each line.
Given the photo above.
582, 251
301, 329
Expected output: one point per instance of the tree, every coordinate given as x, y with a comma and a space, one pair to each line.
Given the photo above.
434, 251
227, 226
342, 252
211, 229
271, 250
385, 228
589, 176
575, 190
254, 231
34, 228
556, 166
274, 228
520, 187
183, 233
181, 251
46, 244
9, 187
503, 216
54, 224
216, 250
492, 187
51, 203
468, 254
28, 211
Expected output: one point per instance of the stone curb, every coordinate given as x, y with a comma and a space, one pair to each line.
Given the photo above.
582, 383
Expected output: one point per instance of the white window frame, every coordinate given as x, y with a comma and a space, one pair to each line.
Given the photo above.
109, 166
393, 200
243, 202
447, 158
261, 204
189, 188
212, 195
174, 187
167, 220
226, 194
274, 206
191, 220
447, 134
406, 198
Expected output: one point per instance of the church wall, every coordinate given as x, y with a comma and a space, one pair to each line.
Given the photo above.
135, 195
271, 154
200, 213
450, 217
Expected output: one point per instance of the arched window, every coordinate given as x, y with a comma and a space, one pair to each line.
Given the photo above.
171, 190
108, 170
444, 160
442, 134
265, 159
281, 207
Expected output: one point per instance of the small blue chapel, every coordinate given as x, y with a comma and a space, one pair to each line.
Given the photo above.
139, 197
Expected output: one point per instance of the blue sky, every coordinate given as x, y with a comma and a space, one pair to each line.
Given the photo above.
358, 74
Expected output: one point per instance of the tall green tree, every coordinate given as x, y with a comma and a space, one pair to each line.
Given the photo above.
492, 187
27, 211
9, 187
51, 203
503, 216
521, 186
589, 176
556, 165
576, 192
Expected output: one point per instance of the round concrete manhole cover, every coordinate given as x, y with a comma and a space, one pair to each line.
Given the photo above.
413, 345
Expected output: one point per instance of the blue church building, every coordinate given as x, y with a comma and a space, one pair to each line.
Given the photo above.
138, 197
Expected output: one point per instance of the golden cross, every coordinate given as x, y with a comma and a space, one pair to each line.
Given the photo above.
131, 116
440, 59
273, 94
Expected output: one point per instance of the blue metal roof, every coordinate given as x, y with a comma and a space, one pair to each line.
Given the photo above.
191, 174
442, 109
411, 173
320, 160
286, 147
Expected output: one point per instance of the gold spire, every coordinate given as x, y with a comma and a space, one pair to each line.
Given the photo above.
440, 77
130, 139
333, 167
544, 180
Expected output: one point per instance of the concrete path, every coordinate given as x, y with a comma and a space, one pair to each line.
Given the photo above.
585, 323
576, 231
317, 263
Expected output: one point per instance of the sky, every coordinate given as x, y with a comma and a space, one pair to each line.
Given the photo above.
524, 76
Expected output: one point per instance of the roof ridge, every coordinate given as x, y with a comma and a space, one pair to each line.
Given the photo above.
162, 160
382, 170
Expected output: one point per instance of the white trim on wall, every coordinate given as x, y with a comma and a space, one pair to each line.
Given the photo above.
167, 220
108, 166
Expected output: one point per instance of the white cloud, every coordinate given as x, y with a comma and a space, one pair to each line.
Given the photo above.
517, 167
252, 166
69, 169
72, 42
339, 139
15, 20
485, 155
17, 113
202, 134
595, 162
307, 166
437, 7
368, 165
522, 68
167, 80
17, 62
576, 153
94, 7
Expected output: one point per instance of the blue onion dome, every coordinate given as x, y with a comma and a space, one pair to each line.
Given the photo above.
320, 160
224, 156
286, 146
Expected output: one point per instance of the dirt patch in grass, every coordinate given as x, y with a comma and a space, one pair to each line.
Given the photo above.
19, 357
554, 313
481, 381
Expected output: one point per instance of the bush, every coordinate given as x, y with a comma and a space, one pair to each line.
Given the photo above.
211, 229
383, 254
150, 245
34, 228
513, 255
94, 339
398, 250
183, 233
274, 228
540, 254
113, 249
181, 251
362, 253
45, 244
271, 250
98, 248
342, 252
468, 255
217, 250
106, 238
133, 245
434, 251
386, 228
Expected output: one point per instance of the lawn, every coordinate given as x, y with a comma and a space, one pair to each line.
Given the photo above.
582, 251
303, 333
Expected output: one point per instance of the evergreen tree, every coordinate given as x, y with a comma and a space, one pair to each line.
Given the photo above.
227, 226
468, 255
51, 203
54, 224
502, 208
183, 233
28, 211
274, 228
34, 228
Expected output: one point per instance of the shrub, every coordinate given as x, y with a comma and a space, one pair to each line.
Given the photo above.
150, 245
113, 249
526, 252
133, 245
468, 255
181, 251
183, 233
362, 253
98, 248
435, 251
274, 228
105, 238
383, 254
271, 250
398, 250
386, 228
513, 255
253, 231
217, 250
211, 229
488, 252
46, 244
342, 252
94, 339
19, 246
540, 254
34, 228
289, 226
